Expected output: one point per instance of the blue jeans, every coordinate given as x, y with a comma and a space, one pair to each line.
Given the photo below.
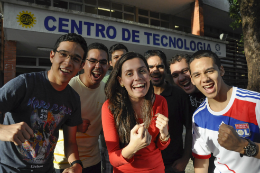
92, 169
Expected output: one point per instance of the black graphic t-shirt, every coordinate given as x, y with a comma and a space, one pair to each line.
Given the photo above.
196, 99
30, 98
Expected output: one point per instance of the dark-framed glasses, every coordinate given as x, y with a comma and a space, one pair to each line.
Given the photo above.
95, 61
64, 54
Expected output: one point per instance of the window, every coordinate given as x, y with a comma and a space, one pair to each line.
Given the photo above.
90, 9
144, 20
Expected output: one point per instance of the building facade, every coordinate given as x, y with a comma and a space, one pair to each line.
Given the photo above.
29, 29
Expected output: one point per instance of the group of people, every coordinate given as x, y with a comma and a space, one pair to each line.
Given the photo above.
131, 120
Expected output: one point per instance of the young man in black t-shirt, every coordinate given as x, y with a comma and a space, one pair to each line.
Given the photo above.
181, 76
175, 156
36, 106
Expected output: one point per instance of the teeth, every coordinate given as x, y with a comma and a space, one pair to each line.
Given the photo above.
96, 72
186, 83
208, 86
64, 70
139, 85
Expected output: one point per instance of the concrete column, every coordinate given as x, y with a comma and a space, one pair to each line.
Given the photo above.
197, 18
9, 60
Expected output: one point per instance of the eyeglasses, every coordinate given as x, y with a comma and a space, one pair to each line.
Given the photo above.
157, 66
64, 54
95, 61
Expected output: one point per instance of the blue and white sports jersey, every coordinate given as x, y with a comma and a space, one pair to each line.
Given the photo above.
243, 113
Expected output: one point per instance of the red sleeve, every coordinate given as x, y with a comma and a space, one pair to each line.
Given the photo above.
163, 103
112, 138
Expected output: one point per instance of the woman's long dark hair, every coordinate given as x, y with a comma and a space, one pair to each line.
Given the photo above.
120, 104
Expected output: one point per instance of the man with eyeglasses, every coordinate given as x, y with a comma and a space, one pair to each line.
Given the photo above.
90, 87
181, 76
175, 157
37, 105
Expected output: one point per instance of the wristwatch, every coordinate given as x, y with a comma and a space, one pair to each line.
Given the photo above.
251, 150
77, 161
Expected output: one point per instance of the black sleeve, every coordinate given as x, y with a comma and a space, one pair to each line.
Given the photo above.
12, 94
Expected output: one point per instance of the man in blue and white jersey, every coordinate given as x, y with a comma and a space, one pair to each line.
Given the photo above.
226, 123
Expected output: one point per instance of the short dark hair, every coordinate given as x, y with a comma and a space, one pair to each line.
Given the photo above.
179, 57
206, 53
99, 46
115, 47
159, 53
72, 37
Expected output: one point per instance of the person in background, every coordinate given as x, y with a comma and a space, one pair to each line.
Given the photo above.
180, 73
226, 123
115, 53
90, 87
175, 156
37, 106
134, 119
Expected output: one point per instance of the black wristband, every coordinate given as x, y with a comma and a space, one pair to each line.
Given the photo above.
77, 161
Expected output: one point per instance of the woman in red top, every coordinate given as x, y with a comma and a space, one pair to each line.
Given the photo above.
134, 120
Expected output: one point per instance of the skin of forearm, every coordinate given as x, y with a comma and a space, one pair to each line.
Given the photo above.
201, 165
127, 152
71, 151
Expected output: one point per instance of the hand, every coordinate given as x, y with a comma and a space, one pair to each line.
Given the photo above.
229, 139
139, 138
16, 133
76, 168
84, 126
180, 164
162, 125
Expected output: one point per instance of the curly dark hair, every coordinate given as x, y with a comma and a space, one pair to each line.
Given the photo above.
120, 104
99, 46
179, 57
73, 38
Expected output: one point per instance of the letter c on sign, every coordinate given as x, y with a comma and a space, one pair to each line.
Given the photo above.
46, 23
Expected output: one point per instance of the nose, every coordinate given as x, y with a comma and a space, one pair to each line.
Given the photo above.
137, 76
68, 60
98, 65
204, 78
181, 77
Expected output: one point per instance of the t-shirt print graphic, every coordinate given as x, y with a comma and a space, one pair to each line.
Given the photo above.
37, 149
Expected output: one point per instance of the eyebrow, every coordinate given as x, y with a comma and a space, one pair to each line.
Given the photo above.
138, 69
211, 68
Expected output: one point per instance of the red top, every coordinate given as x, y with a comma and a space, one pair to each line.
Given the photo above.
148, 159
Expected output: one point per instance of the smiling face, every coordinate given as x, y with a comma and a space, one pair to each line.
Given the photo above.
115, 56
207, 77
95, 72
63, 69
157, 70
181, 76
135, 78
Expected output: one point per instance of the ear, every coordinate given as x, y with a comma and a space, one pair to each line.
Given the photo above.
120, 80
222, 71
52, 54
81, 66
192, 80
